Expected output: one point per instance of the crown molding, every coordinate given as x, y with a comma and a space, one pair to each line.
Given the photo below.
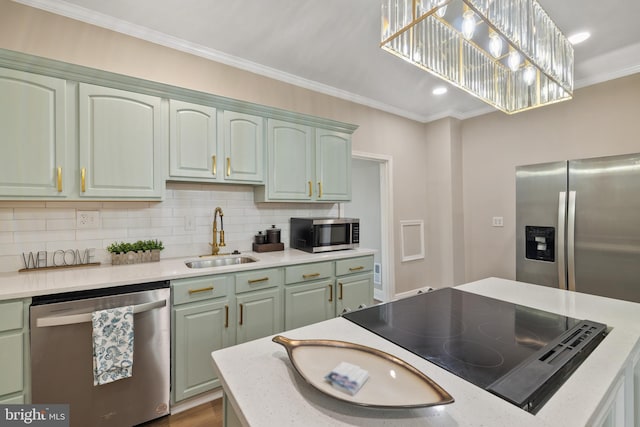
78, 13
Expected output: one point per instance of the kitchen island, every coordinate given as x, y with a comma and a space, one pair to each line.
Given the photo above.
262, 388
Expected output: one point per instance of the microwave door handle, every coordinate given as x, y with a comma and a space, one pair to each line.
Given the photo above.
73, 319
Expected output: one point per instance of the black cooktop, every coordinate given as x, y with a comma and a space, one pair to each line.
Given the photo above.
520, 353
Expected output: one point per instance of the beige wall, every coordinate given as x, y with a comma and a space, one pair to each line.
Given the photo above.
441, 169
601, 120
40, 33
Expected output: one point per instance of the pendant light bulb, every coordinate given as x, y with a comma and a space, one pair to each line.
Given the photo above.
529, 75
468, 24
495, 45
514, 60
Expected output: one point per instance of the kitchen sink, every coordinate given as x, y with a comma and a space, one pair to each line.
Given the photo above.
219, 261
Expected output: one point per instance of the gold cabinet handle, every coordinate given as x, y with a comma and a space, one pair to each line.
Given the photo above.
310, 276
228, 166
360, 267
214, 166
310, 189
319, 189
83, 176
262, 279
59, 180
340, 286
241, 313
195, 291
330, 293
226, 316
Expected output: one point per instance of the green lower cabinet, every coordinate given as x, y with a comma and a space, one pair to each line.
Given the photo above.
15, 400
11, 371
259, 314
200, 328
15, 370
308, 303
201, 321
354, 292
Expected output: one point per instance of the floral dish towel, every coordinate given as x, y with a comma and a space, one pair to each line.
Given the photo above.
112, 344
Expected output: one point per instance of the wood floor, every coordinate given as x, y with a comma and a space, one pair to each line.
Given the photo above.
206, 415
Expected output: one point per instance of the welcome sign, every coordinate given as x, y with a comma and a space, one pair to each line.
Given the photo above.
57, 259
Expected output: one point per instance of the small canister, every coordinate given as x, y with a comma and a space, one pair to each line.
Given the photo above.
260, 238
273, 234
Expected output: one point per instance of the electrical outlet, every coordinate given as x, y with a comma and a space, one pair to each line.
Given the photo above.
189, 223
87, 219
498, 221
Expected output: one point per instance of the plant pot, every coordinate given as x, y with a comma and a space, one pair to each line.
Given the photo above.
135, 257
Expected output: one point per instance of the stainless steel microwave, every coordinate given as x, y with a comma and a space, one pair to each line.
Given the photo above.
324, 234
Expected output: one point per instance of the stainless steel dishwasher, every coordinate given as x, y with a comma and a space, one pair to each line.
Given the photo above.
62, 355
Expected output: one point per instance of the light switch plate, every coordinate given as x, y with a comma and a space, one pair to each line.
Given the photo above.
498, 221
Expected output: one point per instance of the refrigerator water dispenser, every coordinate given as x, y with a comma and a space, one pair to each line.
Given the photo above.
540, 243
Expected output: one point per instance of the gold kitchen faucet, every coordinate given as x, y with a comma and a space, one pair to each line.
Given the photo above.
215, 246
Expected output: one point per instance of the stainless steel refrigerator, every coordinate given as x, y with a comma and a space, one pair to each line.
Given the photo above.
578, 225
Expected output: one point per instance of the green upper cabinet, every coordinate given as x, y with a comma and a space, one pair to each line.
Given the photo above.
195, 153
243, 147
32, 136
120, 144
192, 141
333, 165
290, 164
306, 164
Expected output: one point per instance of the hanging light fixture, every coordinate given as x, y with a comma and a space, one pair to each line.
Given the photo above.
508, 53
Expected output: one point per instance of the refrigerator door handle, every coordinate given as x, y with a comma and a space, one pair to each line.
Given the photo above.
562, 216
571, 228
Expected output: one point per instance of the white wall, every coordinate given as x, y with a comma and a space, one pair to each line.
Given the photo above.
365, 204
601, 120
48, 226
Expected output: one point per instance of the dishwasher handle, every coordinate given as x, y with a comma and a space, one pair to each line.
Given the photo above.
72, 319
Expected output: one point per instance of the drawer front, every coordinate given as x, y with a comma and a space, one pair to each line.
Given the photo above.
258, 279
308, 272
354, 265
11, 316
200, 288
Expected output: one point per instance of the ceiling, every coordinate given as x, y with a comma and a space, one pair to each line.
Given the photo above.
331, 46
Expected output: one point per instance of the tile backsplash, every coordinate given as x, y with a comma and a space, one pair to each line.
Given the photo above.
182, 221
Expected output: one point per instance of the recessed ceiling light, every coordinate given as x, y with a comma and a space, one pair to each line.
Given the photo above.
440, 90
579, 37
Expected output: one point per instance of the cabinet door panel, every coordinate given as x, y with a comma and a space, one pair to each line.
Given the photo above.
199, 329
33, 136
11, 369
333, 165
259, 315
120, 143
290, 165
308, 303
192, 141
243, 147
353, 292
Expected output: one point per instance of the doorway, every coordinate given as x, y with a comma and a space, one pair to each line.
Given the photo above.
371, 201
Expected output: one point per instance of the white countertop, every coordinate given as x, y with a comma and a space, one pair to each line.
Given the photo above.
44, 282
264, 389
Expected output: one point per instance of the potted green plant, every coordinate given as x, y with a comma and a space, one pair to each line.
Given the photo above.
133, 253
